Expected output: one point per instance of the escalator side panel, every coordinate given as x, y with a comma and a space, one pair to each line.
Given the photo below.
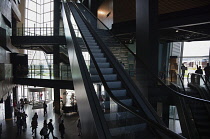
88, 107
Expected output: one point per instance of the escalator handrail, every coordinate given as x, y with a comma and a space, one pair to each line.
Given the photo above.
77, 45
154, 75
109, 30
180, 78
202, 77
131, 110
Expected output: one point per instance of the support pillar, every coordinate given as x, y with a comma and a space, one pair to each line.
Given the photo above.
14, 91
146, 42
57, 100
56, 50
8, 108
165, 114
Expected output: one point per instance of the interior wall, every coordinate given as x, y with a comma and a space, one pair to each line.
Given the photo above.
5, 65
105, 13
167, 6
22, 7
124, 10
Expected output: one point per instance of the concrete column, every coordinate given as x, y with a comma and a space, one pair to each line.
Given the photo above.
56, 50
146, 41
8, 108
57, 100
165, 114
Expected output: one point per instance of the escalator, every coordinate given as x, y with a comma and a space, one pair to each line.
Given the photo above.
194, 115
117, 109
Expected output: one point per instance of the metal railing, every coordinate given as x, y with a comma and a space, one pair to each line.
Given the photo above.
37, 31
48, 72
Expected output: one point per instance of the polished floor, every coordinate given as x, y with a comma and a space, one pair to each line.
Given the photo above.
9, 128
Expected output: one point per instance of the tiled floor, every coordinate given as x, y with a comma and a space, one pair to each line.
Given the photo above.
9, 128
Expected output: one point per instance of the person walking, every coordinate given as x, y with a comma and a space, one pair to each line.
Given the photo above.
36, 116
199, 70
51, 128
24, 116
183, 68
18, 106
19, 124
62, 129
34, 125
44, 130
207, 72
45, 108
60, 118
22, 105
79, 127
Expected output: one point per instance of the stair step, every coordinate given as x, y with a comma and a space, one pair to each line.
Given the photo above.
98, 55
101, 65
118, 115
110, 77
118, 93
92, 43
96, 50
116, 84
94, 47
127, 129
93, 71
125, 100
101, 60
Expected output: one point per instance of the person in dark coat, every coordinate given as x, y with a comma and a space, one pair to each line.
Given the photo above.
199, 70
50, 127
45, 108
62, 129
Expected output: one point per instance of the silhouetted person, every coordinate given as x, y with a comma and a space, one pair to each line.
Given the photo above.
19, 123
22, 105
44, 130
79, 127
60, 118
199, 70
183, 68
62, 129
24, 116
34, 125
45, 108
35, 116
50, 127
207, 72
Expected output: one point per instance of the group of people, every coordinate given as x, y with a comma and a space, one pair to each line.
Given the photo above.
21, 122
47, 128
206, 70
198, 71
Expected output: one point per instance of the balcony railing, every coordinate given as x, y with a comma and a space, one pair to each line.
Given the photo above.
37, 31
53, 72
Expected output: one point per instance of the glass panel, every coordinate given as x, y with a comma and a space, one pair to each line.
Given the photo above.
47, 1
46, 17
32, 6
32, 15
46, 8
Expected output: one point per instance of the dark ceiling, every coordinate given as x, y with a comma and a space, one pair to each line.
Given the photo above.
179, 20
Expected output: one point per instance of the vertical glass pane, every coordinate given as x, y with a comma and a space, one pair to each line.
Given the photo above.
36, 14
32, 6
46, 17
47, 7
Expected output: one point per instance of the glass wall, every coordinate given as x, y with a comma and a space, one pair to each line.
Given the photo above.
195, 54
39, 17
40, 63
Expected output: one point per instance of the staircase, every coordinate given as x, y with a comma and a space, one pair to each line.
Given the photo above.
120, 122
120, 52
118, 103
200, 114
